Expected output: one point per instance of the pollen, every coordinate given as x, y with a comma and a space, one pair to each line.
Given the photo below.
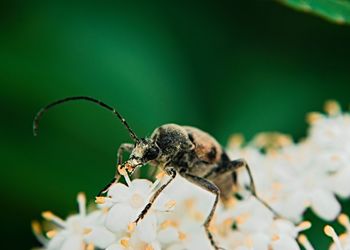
90, 246
87, 231
169, 223
131, 227
344, 220
160, 175
124, 242
305, 242
275, 237
189, 203
52, 233
313, 117
304, 226
149, 247
329, 231
230, 202
182, 236
332, 108
100, 200
242, 218
48, 215
170, 204
81, 198
235, 140
249, 242
36, 227
198, 216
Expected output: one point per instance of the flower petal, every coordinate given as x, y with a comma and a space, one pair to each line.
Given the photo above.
119, 217
324, 204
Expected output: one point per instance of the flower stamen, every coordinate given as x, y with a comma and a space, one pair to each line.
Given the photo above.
48, 215
303, 240
81, 199
329, 231
304, 225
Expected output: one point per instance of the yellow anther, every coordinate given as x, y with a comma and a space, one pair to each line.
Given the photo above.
313, 117
189, 203
160, 175
228, 222
198, 216
277, 186
235, 141
275, 237
36, 227
249, 242
344, 220
87, 231
124, 242
230, 202
304, 225
100, 200
90, 246
52, 233
332, 108
149, 247
48, 215
302, 239
169, 223
305, 242
131, 227
81, 197
329, 231
182, 236
170, 204
242, 218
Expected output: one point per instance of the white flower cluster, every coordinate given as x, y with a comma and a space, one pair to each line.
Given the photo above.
290, 177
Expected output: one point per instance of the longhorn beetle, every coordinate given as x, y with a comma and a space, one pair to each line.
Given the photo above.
177, 150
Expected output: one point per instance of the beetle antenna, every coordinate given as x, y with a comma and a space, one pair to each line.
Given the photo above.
86, 98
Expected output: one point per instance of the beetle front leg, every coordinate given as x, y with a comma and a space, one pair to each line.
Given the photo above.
172, 173
212, 188
125, 147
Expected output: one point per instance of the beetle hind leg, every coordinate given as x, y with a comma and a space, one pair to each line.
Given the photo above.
235, 165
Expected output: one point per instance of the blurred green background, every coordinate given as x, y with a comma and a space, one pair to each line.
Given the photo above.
223, 66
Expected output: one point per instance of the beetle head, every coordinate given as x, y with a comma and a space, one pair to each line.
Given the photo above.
145, 150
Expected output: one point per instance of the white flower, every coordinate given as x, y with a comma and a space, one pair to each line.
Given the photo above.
77, 232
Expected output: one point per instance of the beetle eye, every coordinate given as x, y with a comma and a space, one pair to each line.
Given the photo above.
151, 153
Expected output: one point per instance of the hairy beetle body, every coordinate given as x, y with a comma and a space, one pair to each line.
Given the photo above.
191, 150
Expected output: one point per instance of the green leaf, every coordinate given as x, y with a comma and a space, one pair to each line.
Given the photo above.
337, 11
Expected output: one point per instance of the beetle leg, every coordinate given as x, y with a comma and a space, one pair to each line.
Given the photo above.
172, 173
212, 188
125, 147
234, 166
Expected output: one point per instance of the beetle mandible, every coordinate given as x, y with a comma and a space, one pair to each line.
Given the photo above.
177, 150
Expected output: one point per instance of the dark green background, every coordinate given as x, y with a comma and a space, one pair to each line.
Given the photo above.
223, 66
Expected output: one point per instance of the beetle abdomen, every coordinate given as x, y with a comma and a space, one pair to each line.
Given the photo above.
206, 147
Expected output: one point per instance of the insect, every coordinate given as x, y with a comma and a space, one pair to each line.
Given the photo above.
177, 150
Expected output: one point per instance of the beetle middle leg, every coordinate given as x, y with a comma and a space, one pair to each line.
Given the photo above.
212, 188
125, 147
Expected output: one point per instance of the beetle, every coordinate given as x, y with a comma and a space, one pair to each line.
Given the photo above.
178, 150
